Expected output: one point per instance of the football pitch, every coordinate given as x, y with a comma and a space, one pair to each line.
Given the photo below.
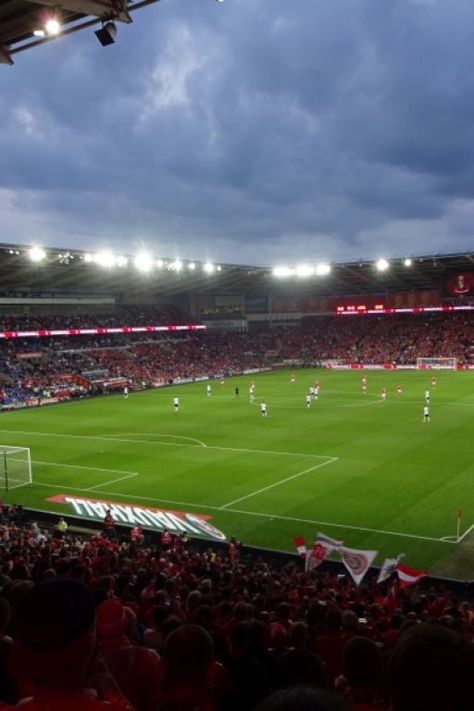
368, 472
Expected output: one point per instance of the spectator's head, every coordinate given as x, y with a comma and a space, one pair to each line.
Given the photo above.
362, 664
302, 698
112, 620
56, 639
431, 668
189, 650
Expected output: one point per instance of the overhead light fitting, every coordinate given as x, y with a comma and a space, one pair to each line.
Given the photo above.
107, 33
37, 254
382, 265
52, 26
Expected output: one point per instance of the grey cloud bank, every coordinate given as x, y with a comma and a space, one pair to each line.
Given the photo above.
252, 131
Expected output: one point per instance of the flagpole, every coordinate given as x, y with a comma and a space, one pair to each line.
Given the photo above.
458, 524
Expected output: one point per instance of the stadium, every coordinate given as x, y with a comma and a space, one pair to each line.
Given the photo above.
236, 466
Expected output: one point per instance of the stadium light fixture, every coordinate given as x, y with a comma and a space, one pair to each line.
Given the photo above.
382, 265
121, 261
304, 270
219, 268
37, 254
408, 262
107, 33
176, 266
88, 258
143, 262
323, 269
105, 259
191, 266
208, 267
160, 263
283, 272
52, 26
39, 33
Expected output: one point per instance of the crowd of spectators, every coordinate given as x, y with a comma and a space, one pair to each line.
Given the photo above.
32, 368
97, 622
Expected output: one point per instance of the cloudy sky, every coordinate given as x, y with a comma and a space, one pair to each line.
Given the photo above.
248, 131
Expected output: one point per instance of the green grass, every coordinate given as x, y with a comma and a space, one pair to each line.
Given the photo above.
356, 468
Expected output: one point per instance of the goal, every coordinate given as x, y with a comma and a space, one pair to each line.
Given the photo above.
15, 467
436, 363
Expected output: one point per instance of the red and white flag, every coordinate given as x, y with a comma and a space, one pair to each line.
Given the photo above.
328, 541
300, 546
316, 555
389, 567
357, 562
407, 576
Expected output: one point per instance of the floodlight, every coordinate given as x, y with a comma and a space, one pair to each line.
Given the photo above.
283, 272
143, 262
52, 26
104, 259
219, 268
191, 266
304, 270
176, 266
88, 258
121, 261
208, 267
382, 265
37, 254
39, 33
160, 263
107, 33
408, 262
323, 269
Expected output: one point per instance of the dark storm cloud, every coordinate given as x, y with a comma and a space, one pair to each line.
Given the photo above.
248, 131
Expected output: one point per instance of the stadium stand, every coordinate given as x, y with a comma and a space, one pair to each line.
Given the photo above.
181, 628
36, 370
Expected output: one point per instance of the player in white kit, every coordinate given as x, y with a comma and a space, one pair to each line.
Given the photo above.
263, 409
176, 404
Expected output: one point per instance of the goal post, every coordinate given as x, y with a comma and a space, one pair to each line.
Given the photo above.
436, 363
15, 467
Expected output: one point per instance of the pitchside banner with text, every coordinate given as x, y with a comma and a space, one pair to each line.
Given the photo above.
146, 516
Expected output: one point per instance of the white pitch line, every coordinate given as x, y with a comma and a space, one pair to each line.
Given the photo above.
155, 434
163, 444
113, 481
280, 482
82, 466
465, 534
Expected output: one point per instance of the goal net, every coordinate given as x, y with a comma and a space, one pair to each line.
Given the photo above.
15, 467
436, 363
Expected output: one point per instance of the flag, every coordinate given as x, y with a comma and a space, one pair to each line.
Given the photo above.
300, 546
408, 576
316, 555
357, 562
328, 541
323, 547
389, 567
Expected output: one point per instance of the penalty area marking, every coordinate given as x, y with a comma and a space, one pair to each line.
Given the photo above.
279, 483
156, 434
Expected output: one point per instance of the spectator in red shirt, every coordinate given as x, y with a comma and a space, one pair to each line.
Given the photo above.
53, 656
134, 668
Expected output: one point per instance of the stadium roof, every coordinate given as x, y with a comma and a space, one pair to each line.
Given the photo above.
65, 271
21, 21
